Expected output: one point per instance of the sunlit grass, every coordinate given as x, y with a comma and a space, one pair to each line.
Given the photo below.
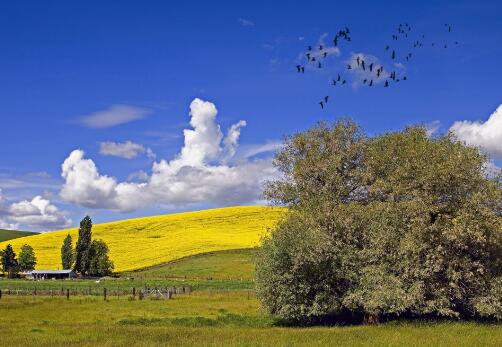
205, 319
143, 242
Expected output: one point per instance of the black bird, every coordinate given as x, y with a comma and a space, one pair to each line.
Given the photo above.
347, 30
445, 46
433, 44
358, 60
319, 66
335, 41
334, 83
299, 68
364, 81
313, 58
393, 54
308, 56
349, 67
371, 83
387, 47
405, 78
363, 65
386, 84
322, 104
326, 99
456, 42
344, 81
303, 69
338, 78
320, 47
449, 29
310, 48
325, 54
371, 67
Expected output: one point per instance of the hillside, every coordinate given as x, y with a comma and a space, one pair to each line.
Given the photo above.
6, 235
235, 264
144, 242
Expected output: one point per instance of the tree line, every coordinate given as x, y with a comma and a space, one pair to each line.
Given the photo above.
89, 258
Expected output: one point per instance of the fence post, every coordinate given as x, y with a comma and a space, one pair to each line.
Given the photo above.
104, 294
0, 293
133, 292
67, 293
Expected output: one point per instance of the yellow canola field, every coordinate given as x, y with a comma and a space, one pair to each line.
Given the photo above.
142, 242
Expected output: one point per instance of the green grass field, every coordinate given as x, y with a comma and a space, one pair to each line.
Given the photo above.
204, 319
6, 235
223, 265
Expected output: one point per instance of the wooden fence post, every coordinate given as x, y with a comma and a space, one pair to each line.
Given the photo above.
133, 292
67, 293
104, 294
0, 293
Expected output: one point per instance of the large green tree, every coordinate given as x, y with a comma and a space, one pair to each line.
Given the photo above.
9, 261
67, 255
82, 259
398, 224
100, 263
27, 259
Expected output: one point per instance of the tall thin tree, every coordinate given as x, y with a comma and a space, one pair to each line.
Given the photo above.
67, 255
83, 245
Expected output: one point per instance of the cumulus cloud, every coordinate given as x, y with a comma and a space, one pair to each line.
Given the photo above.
485, 135
127, 150
35, 213
198, 174
114, 115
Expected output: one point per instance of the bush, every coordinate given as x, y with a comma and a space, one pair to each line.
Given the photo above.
398, 224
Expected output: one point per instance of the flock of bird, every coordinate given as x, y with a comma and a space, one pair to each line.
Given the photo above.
369, 70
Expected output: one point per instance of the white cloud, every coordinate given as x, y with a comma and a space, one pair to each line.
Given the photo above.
246, 22
35, 213
231, 141
127, 150
114, 115
198, 174
432, 128
360, 75
485, 135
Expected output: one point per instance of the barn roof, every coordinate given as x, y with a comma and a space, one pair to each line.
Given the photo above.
52, 272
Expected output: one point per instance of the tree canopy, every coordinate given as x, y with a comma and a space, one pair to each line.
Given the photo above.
397, 224
27, 259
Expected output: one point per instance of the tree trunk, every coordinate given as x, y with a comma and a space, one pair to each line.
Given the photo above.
371, 319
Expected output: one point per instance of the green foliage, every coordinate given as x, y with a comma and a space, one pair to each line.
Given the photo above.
67, 255
99, 261
9, 261
27, 259
398, 224
82, 260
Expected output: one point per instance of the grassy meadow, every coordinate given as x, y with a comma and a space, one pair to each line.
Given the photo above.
204, 319
144, 242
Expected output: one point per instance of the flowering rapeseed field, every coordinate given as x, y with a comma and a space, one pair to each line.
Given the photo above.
142, 242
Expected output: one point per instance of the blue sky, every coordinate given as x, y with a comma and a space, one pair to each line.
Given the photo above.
64, 65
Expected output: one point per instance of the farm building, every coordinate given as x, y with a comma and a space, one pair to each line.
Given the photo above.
51, 274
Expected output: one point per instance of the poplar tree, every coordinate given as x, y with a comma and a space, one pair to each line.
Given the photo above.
82, 260
67, 255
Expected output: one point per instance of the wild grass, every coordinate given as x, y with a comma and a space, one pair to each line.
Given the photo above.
205, 319
144, 242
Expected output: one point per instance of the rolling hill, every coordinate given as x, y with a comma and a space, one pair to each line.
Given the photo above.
149, 241
6, 235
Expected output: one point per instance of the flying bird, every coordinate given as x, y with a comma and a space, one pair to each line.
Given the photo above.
386, 84
326, 99
322, 104
393, 54
299, 68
